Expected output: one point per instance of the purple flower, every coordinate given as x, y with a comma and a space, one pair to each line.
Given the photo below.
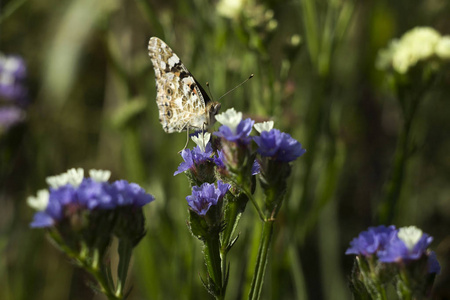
370, 241
12, 74
93, 194
408, 244
54, 212
239, 134
433, 264
130, 194
220, 160
278, 145
67, 199
10, 116
206, 195
194, 157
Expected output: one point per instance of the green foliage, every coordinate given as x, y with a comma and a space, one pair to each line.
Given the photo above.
93, 105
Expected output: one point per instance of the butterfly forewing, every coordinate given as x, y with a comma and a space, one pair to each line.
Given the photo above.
181, 101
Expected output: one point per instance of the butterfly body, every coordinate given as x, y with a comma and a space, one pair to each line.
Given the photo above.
182, 102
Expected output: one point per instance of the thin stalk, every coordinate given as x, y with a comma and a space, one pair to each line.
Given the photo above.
214, 265
389, 204
90, 265
125, 251
260, 268
252, 199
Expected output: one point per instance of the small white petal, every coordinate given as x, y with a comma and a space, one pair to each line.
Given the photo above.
57, 180
264, 126
39, 202
75, 176
202, 140
230, 118
100, 175
410, 236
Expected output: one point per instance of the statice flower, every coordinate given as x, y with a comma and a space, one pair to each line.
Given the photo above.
278, 145
387, 256
13, 94
370, 241
391, 245
12, 74
69, 193
409, 244
233, 128
206, 195
194, 157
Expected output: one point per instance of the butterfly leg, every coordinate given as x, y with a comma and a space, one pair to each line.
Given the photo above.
187, 139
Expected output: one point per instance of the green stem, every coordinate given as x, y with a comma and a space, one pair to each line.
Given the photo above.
260, 268
252, 199
214, 265
404, 286
389, 204
125, 251
89, 264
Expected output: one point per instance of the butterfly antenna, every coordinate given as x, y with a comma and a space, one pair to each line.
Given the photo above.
209, 91
250, 77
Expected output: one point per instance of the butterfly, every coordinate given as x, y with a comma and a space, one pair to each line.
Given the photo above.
182, 102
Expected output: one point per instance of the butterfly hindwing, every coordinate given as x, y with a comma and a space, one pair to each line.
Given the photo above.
181, 101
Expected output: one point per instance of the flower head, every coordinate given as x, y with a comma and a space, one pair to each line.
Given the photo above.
69, 194
416, 45
410, 243
278, 145
240, 133
60, 198
230, 118
130, 194
194, 157
233, 128
370, 241
12, 75
206, 195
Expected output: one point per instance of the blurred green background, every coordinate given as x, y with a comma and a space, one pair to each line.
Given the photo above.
92, 92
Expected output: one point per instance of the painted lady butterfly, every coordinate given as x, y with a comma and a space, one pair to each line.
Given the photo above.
182, 102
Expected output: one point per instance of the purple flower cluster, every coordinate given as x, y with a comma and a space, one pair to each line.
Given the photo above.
206, 195
13, 93
89, 195
240, 134
194, 157
392, 245
12, 75
278, 145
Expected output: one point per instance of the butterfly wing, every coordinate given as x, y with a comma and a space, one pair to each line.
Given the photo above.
181, 100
